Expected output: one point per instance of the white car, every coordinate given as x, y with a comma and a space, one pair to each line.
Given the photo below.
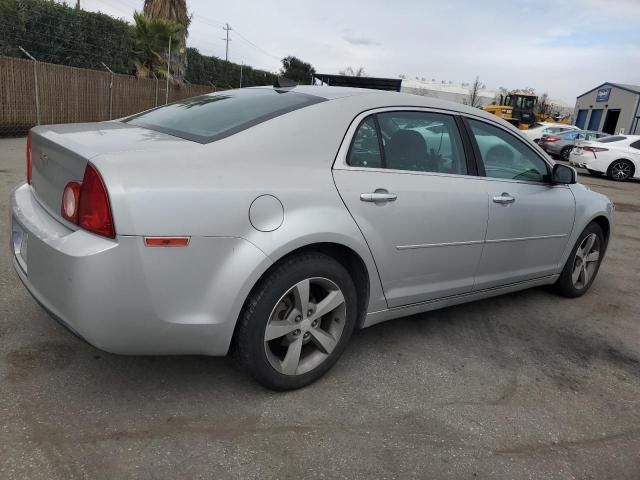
540, 129
618, 156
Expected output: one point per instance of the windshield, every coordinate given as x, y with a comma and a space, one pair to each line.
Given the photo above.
211, 117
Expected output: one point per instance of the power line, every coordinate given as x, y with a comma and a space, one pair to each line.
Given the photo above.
256, 46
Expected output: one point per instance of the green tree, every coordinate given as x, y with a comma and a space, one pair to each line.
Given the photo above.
172, 11
295, 69
56, 33
151, 42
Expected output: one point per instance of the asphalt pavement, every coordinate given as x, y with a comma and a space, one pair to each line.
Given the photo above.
528, 385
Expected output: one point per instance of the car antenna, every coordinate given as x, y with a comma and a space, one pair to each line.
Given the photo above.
284, 82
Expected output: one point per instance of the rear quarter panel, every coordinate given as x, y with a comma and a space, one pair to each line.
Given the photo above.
207, 190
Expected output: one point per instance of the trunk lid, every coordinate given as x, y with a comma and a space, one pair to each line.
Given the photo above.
60, 153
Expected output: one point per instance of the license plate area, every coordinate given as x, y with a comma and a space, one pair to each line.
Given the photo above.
19, 244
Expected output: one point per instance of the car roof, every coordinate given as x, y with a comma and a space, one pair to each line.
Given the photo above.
384, 98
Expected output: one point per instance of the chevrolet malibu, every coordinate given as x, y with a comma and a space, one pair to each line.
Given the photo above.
272, 222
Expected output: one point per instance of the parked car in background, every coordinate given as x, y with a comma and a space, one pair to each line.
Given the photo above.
617, 156
231, 221
561, 144
536, 132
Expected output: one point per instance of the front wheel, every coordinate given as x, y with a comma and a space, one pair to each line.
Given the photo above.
297, 321
583, 264
620, 170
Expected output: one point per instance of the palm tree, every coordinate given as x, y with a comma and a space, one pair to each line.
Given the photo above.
174, 11
151, 42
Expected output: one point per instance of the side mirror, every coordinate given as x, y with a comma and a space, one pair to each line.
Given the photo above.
563, 174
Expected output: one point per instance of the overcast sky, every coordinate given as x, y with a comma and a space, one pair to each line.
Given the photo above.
563, 47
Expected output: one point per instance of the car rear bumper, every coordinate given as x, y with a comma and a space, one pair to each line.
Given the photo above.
588, 161
123, 297
550, 148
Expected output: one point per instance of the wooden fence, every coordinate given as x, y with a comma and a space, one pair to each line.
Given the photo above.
70, 94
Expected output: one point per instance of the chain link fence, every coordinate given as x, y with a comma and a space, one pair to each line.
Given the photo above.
33, 93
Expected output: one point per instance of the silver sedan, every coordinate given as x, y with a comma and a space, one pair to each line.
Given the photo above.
275, 221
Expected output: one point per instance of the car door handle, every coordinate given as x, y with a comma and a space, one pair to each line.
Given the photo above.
504, 199
378, 196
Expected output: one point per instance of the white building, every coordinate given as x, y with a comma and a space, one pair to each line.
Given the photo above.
459, 92
454, 92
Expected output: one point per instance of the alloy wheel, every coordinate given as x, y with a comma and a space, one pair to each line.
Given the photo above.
305, 326
585, 261
620, 170
564, 154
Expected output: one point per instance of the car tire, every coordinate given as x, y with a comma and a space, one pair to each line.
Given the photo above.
565, 153
582, 265
620, 170
278, 304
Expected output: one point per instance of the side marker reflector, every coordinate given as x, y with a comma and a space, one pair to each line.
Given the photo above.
166, 241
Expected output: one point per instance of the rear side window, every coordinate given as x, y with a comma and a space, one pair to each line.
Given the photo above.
365, 149
211, 117
635, 145
414, 141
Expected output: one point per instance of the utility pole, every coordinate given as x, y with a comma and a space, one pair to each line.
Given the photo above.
227, 28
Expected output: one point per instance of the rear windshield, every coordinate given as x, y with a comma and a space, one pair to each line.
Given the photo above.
611, 139
208, 118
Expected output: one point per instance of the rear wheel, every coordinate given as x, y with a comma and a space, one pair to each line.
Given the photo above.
565, 153
297, 321
583, 264
620, 170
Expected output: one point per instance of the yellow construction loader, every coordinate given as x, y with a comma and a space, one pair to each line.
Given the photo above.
518, 108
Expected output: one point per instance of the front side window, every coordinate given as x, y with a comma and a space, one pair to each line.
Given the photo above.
504, 156
529, 102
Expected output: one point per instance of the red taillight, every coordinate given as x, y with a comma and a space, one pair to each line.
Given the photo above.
29, 158
94, 212
550, 139
595, 149
71, 202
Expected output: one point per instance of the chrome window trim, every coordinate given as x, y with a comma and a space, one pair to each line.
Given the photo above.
340, 162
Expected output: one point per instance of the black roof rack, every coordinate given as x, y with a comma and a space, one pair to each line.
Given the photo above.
376, 83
